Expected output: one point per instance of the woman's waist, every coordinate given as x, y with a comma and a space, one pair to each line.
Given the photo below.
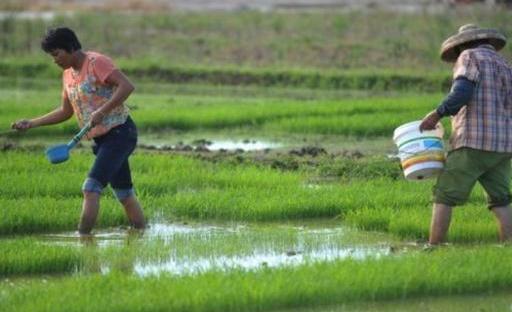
125, 128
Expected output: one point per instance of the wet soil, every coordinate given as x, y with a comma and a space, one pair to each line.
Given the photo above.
324, 163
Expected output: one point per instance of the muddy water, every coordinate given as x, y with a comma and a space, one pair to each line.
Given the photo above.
192, 248
245, 145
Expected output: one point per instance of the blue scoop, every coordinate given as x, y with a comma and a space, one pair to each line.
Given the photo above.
60, 153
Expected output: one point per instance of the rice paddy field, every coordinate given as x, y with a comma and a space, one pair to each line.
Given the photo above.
269, 183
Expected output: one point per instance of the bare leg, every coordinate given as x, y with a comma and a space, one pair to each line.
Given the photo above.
134, 212
504, 218
90, 208
441, 217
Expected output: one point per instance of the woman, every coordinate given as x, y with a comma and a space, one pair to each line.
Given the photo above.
94, 90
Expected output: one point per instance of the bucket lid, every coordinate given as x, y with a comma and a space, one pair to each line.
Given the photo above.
415, 126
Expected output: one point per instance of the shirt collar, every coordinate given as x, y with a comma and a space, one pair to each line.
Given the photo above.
486, 46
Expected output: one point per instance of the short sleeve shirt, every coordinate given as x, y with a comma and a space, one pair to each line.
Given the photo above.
87, 91
485, 123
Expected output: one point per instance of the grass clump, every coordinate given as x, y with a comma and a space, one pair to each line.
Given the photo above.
26, 256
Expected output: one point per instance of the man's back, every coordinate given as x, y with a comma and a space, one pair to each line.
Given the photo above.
485, 123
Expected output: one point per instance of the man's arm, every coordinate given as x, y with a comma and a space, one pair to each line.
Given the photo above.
461, 94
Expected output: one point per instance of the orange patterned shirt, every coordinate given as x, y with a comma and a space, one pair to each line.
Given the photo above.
87, 91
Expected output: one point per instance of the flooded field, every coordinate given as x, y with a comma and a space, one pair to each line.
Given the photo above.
198, 248
202, 145
294, 205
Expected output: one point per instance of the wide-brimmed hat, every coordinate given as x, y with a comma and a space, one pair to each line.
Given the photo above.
468, 33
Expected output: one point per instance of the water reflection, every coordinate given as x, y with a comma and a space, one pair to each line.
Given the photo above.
246, 145
203, 145
182, 249
257, 260
102, 238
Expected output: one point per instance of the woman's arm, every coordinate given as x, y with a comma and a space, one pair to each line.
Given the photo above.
122, 90
64, 112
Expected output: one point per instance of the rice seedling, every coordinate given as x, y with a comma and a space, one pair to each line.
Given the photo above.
36, 214
173, 186
449, 271
278, 50
27, 256
375, 116
494, 301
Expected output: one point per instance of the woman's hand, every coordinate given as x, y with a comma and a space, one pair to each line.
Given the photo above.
22, 125
97, 117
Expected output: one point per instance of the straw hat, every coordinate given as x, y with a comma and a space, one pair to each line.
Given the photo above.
468, 33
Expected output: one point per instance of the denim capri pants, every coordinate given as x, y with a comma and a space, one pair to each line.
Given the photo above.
111, 164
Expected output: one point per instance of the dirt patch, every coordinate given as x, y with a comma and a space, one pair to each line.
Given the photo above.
317, 161
308, 150
314, 159
7, 146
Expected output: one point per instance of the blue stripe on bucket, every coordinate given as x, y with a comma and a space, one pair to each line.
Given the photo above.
433, 144
418, 139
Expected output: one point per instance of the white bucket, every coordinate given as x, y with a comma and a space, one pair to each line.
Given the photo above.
421, 154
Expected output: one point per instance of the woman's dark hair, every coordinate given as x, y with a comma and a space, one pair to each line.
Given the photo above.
60, 38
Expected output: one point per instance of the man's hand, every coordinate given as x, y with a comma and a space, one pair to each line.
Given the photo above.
430, 121
22, 125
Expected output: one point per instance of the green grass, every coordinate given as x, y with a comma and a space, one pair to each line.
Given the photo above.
370, 116
442, 272
332, 40
40, 214
238, 193
26, 256
316, 54
327, 50
372, 80
171, 186
168, 185
470, 223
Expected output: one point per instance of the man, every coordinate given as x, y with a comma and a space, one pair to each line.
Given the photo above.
480, 102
